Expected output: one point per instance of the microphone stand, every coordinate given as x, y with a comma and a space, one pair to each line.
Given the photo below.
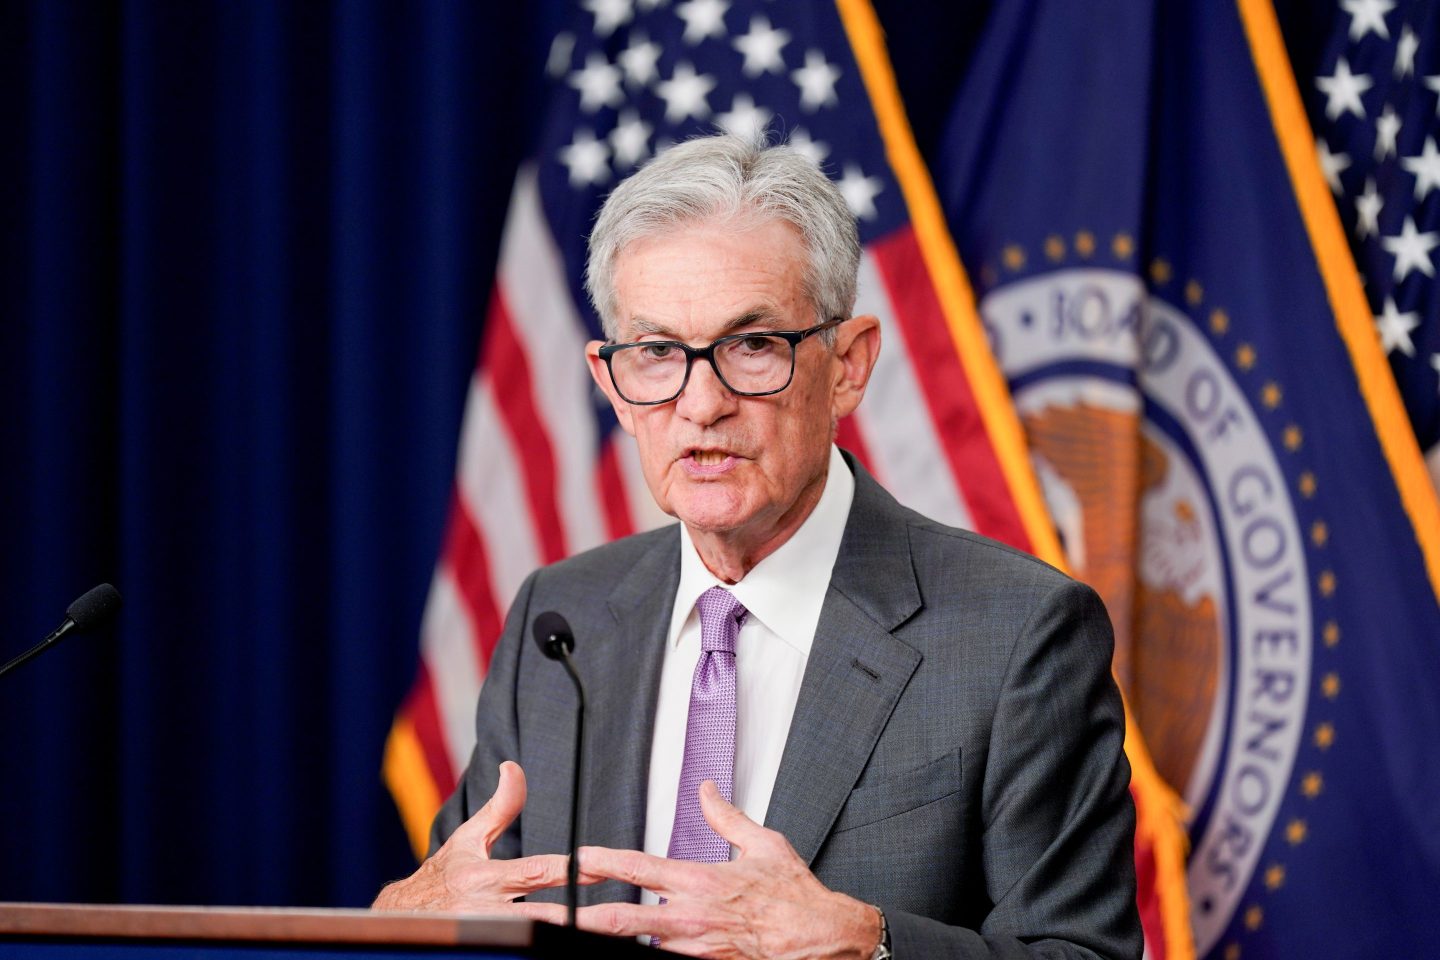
572, 879
36, 650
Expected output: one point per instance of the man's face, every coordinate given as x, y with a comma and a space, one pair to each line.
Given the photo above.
746, 469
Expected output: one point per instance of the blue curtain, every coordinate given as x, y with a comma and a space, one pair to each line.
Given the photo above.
247, 249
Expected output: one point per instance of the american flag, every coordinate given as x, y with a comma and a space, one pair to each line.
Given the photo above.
1375, 107
543, 469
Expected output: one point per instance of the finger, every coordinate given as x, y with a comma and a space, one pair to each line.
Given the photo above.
526, 874
548, 912
634, 920
491, 820
665, 877
729, 820
516, 878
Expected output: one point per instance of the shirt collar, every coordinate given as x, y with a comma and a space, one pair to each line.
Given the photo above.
786, 590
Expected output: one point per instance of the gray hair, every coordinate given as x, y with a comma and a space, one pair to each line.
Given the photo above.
723, 177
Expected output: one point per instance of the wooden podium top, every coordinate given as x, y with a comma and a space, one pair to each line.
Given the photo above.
262, 924
278, 925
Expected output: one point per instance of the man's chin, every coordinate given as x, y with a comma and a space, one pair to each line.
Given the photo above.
710, 511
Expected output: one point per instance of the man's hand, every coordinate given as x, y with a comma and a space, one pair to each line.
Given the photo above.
461, 877
764, 904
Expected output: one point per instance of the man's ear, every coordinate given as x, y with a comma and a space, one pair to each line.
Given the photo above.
601, 375
857, 347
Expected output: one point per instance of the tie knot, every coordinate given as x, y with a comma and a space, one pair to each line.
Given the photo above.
720, 618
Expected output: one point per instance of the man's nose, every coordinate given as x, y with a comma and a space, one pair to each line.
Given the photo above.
705, 398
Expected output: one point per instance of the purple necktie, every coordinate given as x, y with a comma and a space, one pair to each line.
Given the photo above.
709, 730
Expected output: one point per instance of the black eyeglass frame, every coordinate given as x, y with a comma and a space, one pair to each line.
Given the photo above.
792, 337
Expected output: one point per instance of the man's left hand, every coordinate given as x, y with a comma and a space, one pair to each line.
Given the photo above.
765, 903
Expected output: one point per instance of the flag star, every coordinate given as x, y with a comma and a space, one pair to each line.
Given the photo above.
1342, 91
639, 59
1426, 169
1332, 164
703, 18
1367, 16
1411, 250
685, 94
586, 159
1405, 53
598, 82
860, 192
1367, 211
609, 14
815, 150
816, 81
1395, 327
1434, 84
557, 64
744, 119
630, 140
761, 47
1387, 130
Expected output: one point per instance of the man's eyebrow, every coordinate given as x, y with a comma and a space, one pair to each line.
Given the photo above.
760, 316
640, 326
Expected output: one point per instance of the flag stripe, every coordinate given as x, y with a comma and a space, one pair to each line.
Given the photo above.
506, 362
467, 566
895, 422
847, 435
492, 488
952, 405
552, 336
424, 713
643, 509
618, 521
1342, 280
448, 643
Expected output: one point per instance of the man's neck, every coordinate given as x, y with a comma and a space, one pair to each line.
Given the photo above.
731, 555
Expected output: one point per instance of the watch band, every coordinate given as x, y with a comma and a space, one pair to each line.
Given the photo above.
882, 949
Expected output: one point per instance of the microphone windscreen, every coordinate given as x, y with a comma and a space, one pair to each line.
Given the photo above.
552, 631
96, 606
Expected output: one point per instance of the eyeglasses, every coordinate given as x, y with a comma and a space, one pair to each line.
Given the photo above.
754, 364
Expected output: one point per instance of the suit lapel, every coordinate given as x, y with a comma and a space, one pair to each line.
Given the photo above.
856, 671
622, 684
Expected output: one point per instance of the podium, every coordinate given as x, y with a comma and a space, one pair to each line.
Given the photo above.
39, 931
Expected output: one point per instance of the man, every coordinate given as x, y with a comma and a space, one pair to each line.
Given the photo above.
922, 719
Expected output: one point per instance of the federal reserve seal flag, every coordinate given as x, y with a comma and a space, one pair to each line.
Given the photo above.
1165, 284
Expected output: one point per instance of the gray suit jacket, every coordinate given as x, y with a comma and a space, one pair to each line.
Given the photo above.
955, 755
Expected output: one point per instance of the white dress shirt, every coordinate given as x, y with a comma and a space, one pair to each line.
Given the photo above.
784, 594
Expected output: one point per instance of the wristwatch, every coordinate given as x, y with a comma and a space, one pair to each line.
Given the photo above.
882, 949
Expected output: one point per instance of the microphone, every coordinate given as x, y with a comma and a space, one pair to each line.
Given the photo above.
95, 608
556, 640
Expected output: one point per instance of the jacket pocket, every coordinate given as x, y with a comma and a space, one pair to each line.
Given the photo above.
901, 793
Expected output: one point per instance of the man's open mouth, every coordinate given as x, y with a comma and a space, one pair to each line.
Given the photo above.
709, 458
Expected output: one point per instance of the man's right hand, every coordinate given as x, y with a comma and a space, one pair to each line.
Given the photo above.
461, 877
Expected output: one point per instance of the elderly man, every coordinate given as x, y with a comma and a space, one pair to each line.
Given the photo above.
923, 719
